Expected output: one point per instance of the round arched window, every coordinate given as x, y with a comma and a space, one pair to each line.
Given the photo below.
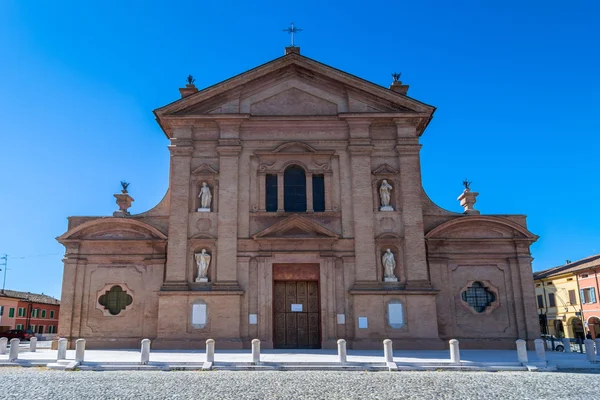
294, 189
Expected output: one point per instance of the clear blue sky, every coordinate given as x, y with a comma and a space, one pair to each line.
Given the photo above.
516, 84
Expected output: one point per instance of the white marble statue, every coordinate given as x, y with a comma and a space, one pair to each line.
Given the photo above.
385, 196
202, 261
205, 197
389, 265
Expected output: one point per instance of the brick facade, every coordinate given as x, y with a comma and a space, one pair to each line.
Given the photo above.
349, 134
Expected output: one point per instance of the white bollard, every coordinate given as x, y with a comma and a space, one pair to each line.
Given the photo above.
522, 351
14, 350
540, 349
566, 344
62, 349
210, 350
79, 350
454, 352
589, 350
341, 351
3, 344
255, 351
32, 344
145, 352
597, 341
388, 351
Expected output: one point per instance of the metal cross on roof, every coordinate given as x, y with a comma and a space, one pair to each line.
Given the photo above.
292, 29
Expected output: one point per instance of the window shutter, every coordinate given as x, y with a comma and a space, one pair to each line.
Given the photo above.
592, 295
582, 296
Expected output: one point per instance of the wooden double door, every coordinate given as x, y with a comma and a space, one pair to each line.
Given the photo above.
297, 319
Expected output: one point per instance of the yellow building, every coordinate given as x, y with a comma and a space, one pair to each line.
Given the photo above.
558, 303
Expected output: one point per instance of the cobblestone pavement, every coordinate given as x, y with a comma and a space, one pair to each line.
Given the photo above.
38, 383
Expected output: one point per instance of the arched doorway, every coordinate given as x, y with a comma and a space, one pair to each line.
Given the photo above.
576, 328
559, 329
594, 327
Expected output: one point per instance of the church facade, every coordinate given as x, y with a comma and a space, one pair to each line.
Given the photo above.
295, 214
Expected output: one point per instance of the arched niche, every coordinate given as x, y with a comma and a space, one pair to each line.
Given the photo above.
394, 243
387, 173
204, 173
195, 245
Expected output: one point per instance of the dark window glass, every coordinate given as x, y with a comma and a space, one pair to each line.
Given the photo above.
115, 300
318, 186
271, 193
478, 296
540, 299
294, 189
551, 300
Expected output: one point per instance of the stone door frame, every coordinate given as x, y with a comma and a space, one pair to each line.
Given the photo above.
326, 294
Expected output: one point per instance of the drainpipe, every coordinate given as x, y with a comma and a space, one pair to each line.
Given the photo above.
580, 304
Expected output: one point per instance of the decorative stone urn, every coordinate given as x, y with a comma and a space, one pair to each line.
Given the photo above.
467, 201
124, 201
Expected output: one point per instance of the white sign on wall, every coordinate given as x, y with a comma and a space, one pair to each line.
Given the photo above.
296, 307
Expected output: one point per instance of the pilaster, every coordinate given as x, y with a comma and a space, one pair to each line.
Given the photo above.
309, 192
280, 192
360, 149
181, 149
415, 260
229, 149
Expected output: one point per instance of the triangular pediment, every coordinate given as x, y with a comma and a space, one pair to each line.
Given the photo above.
205, 169
293, 85
294, 101
296, 227
385, 169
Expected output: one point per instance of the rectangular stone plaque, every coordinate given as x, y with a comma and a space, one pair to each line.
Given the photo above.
296, 307
199, 314
363, 323
341, 319
253, 319
395, 315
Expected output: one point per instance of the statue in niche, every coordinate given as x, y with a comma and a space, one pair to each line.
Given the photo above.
389, 265
205, 198
202, 261
385, 196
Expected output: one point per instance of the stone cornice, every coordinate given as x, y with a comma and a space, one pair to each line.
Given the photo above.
179, 150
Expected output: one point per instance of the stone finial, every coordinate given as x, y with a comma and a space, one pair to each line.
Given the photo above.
124, 201
189, 88
467, 199
397, 85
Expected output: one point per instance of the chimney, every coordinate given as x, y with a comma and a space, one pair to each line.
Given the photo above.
292, 49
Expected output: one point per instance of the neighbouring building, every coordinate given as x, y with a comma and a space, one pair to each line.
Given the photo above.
295, 214
567, 298
25, 310
8, 314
